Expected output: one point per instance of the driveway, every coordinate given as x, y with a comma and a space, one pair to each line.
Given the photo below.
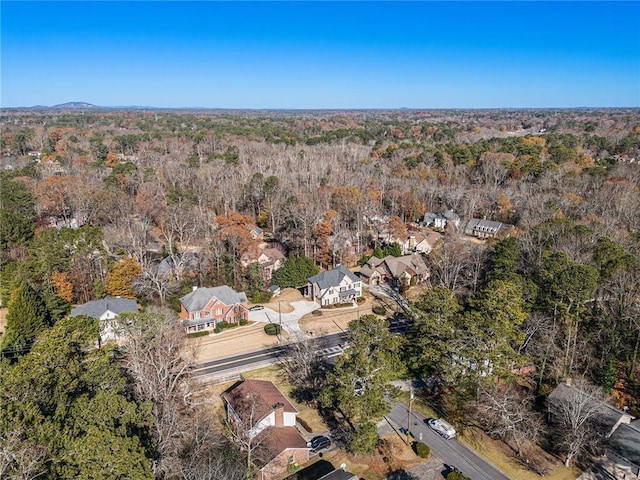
289, 320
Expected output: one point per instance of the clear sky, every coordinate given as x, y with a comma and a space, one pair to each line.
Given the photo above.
321, 54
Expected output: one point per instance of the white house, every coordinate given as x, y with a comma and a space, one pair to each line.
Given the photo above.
339, 285
106, 310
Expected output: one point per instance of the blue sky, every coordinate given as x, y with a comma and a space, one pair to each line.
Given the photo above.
321, 54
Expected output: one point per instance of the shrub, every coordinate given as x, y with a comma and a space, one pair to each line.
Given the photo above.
360, 300
244, 322
379, 310
456, 476
201, 333
272, 329
317, 313
422, 450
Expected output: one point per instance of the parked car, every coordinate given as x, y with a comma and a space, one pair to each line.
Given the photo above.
256, 307
318, 443
443, 428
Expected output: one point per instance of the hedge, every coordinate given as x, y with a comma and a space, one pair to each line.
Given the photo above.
201, 333
422, 450
272, 329
379, 310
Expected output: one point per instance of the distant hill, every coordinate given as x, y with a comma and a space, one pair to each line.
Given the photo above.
75, 106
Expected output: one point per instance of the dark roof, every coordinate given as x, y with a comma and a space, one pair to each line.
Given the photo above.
608, 416
332, 278
488, 226
198, 299
625, 442
97, 308
339, 475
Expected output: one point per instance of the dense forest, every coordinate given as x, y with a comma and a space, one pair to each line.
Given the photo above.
92, 201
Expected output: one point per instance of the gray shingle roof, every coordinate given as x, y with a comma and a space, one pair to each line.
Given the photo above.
625, 442
332, 278
198, 299
96, 308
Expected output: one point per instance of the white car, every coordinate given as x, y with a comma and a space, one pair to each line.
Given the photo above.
443, 428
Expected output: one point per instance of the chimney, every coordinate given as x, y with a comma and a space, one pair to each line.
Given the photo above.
194, 288
567, 381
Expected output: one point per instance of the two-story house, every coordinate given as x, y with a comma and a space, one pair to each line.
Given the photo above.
339, 285
262, 415
395, 271
106, 310
203, 308
269, 259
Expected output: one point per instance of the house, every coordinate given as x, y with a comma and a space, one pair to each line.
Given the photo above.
421, 242
442, 220
269, 259
340, 474
607, 417
395, 271
623, 448
257, 233
260, 410
339, 285
203, 308
106, 310
484, 228
621, 436
178, 265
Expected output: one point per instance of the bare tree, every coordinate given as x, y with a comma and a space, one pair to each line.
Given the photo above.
159, 361
575, 413
152, 283
19, 458
506, 411
303, 367
244, 425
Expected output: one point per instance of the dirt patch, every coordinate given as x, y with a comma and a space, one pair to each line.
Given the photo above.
283, 300
3, 320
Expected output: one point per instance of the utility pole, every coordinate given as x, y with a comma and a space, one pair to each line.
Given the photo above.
411, 397
280, 314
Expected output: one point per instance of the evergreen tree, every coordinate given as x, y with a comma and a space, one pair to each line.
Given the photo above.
26, 317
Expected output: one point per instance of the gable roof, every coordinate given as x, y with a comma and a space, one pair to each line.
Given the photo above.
332, 278
395, 266
608, 416
97, 308
625, 442
266, 391
198, 299
487, 226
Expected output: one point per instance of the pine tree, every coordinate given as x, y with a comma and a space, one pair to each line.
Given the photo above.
27, 316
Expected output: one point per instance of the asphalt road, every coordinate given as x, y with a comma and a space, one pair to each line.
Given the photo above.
452, 452
328, 346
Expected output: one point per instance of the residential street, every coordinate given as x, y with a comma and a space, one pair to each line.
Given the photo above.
452, 452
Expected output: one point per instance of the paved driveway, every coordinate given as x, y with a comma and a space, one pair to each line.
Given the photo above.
289, 320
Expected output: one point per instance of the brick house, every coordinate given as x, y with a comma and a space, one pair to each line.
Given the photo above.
262, 412
203, 308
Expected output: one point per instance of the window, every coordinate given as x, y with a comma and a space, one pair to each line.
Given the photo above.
219, 311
